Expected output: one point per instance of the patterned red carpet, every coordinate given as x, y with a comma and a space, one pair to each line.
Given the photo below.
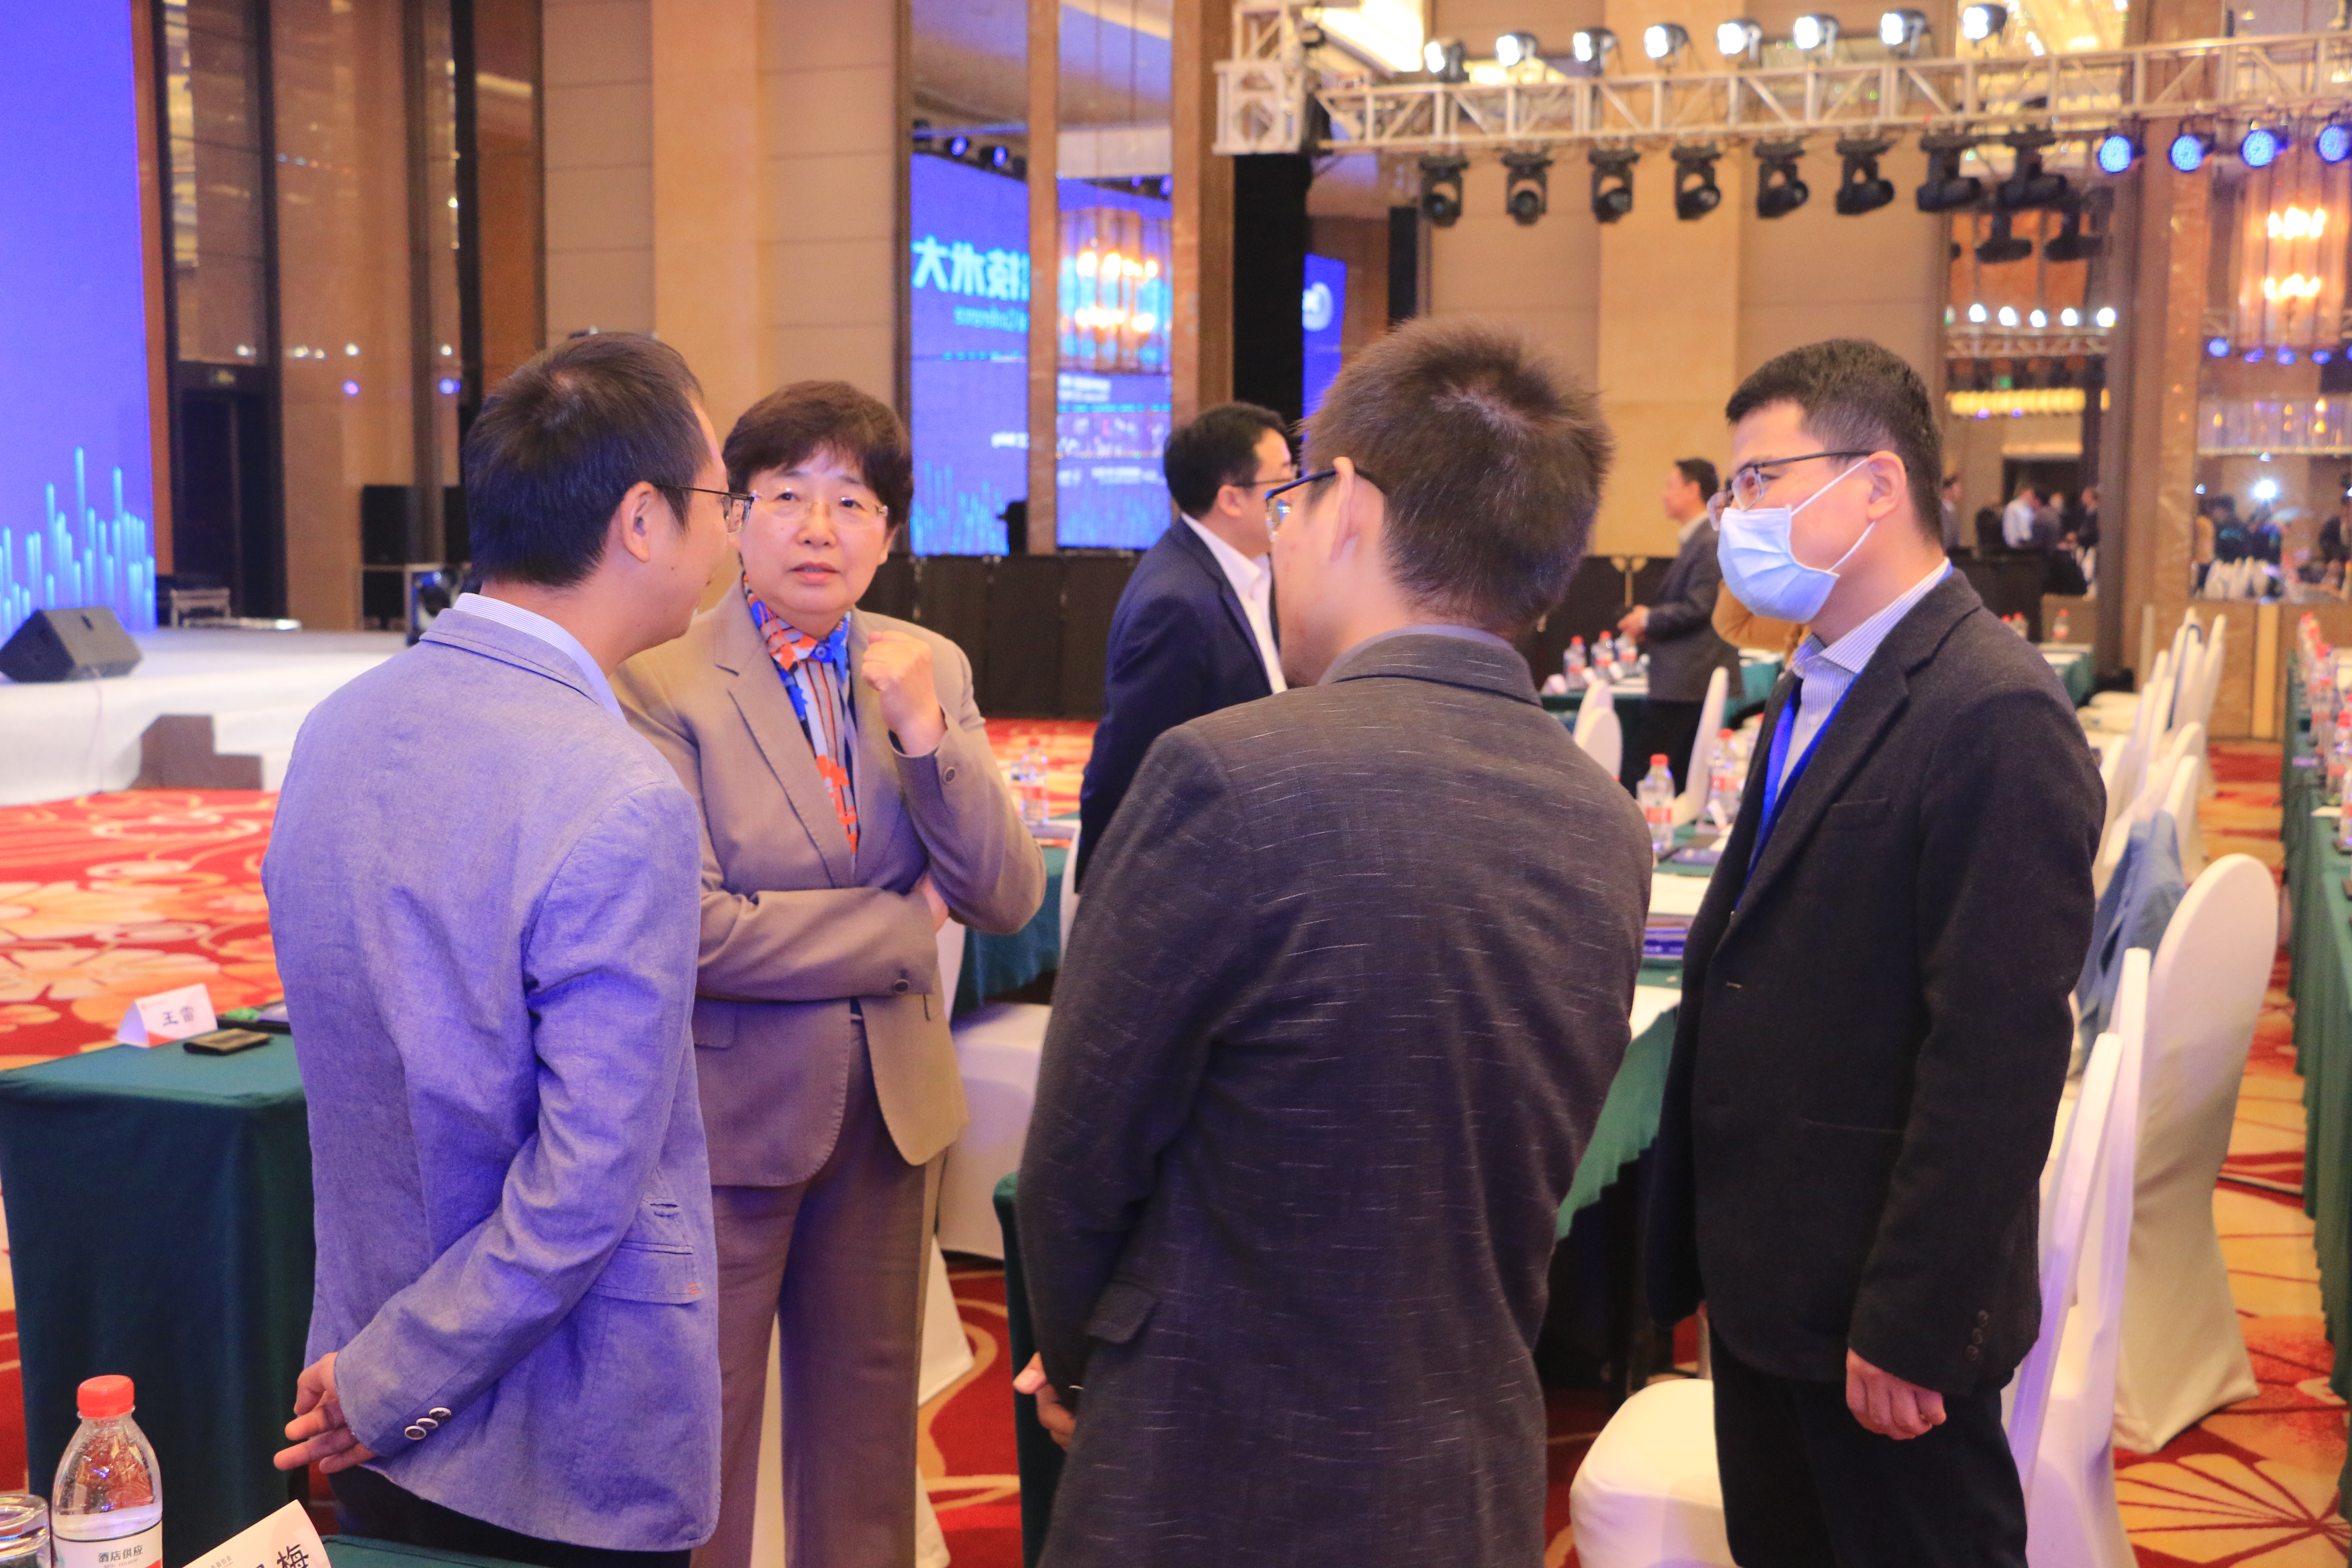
113, 897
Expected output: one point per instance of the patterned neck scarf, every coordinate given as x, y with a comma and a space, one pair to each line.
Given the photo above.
819, 666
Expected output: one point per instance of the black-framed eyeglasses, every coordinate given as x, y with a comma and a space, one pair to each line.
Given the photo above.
734, 506
1277, 511
1750, 481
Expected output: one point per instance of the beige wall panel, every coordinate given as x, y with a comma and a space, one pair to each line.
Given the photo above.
857, 353
605, 208
1814, 274
600, 124
593, 41
828, 283
813, 199
841, 109
707, 116
610, 291
1543, 279
819, 35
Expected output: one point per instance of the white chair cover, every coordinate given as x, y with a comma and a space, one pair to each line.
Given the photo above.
2183, 1356
1598, 731
2147, 796
2061, 1401
1648, 1494
2180, 804
998, 1049
1691, 805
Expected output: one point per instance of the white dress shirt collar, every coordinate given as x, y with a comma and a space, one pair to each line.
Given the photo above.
1827, 670
1253, 583
547, 631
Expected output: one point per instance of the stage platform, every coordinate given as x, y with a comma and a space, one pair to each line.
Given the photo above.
76, 737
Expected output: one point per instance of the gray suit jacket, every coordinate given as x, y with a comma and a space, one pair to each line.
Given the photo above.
1683, 647
794, 927
481, 890
1351, 979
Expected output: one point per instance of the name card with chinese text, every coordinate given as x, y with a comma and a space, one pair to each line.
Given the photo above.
168, 1016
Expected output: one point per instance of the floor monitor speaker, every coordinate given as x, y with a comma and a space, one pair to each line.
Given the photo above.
69, 645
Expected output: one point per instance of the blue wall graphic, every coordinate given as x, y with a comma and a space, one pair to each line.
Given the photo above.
76, 484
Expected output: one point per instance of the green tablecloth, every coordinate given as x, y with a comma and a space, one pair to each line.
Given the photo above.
2076, 667
994, 964
1756, 677
2320, 949
159, 1218
359, 1551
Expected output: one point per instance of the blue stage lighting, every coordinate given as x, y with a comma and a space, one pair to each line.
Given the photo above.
959, 146
2219, 348
2253, 357
2286, 356
2117, 152
2321, 356
2334, 142
2189, 150
2261, 147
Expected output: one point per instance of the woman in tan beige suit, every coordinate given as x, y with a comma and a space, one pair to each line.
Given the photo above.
849, 804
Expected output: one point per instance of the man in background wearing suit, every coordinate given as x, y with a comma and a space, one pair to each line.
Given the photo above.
1874, 1028
1346, 996
1194, 628
482, 888
1679, 630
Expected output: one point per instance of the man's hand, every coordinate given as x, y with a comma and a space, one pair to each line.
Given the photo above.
1052, 1413
930, 889
1633, 622
318, 1431
898, 669
1886, 1405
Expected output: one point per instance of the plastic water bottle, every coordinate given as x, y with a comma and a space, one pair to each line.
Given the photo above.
1657, 797
2339, 755
1029, 786
107, 1507
1575, 666
1724, 784
2058, 628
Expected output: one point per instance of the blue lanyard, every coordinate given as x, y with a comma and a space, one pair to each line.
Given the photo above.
1775, 791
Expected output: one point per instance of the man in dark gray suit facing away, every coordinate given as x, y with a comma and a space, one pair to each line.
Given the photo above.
1354, 974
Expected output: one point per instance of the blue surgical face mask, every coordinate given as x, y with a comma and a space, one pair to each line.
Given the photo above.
1762, 570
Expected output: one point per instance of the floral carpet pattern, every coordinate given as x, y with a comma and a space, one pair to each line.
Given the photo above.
112, 897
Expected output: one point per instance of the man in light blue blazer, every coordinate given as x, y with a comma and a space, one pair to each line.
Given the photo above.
483, 889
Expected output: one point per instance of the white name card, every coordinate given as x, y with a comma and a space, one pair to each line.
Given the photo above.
168, 1016
285, 1540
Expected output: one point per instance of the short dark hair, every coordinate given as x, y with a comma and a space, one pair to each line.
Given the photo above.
800, 418
1857, 394
561, 441
1700, 472
1218, 448
1490, 460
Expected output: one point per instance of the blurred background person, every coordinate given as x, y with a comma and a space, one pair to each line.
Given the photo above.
1194, 630
849, 803
1951, 504
1679, 629
1317, 1078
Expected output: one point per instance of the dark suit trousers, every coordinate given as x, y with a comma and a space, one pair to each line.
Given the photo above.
1668, 727
836, 1265
375, 1508
1806, 1485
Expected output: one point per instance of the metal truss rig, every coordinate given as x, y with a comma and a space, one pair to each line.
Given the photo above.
1263, 97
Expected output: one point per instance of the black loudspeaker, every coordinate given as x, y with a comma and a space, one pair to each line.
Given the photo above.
69, 645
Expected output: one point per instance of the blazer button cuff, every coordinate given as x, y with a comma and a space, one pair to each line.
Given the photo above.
1974, 1352
899, 988
439, 1414
947, 774
428, 1424
414, 1434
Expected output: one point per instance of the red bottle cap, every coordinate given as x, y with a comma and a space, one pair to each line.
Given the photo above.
99, 1397
1657, 759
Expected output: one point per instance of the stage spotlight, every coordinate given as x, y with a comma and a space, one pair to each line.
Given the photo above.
2218, 347
1814, 31
1613, 182
1981, 23
2070, 243
2188, 151
2261, 146
1977, 315
999, 156
959, 146
1440, 190
1592, 45
1779, 191
2117, 150
2286, 356
2321, 356
1860, 189
2106, 316
2009, 315
2255, 356
1527, 187
1902, 31
2027, 185
1945, 189
1445, 60
2070, 317
1517, 49
1740, 39
1665, 41
1696, 192
2000, 246
2333, 142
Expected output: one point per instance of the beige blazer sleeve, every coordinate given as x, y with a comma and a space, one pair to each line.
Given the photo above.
983, 859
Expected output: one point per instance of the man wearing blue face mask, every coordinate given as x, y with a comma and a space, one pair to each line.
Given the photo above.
1874, 1030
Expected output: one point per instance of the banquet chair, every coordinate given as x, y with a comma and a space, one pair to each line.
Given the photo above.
998, 1049
2060, 1403
1647, 1494
2144, 802
1598, 731
2180, 803
1691, 805
2183, 1356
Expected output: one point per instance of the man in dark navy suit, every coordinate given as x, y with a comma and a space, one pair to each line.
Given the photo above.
1194, 630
